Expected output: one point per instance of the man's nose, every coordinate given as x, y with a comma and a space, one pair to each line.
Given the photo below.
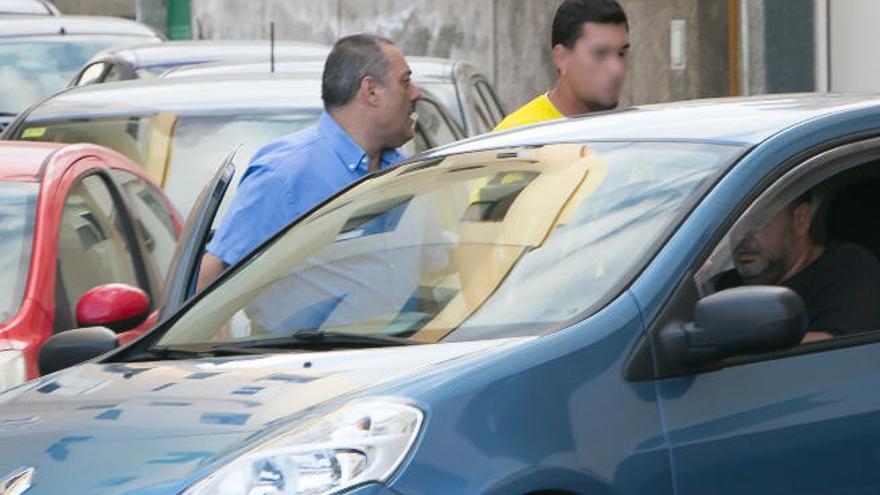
617, 65
416, 93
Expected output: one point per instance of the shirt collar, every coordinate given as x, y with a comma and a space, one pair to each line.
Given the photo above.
348, 151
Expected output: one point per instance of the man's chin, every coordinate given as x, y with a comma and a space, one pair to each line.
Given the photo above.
598, 106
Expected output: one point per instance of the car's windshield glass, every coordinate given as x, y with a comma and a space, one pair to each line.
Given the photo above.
474, 246
23, 7
34, 67
182, 152
18, 201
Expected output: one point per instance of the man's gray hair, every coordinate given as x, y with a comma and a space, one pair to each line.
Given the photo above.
351, 60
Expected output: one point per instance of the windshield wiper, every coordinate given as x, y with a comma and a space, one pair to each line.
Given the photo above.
303, 339
316, 338
166, 353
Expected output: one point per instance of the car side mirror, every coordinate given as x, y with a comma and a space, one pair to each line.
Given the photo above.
73, 347
735, 322
119, 307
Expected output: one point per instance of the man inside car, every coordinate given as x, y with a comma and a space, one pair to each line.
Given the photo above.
839, 283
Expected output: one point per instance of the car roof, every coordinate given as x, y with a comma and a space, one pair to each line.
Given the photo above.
71, 25
25, 161
184, 95
27, 7
181, 52
739, 120
426, 69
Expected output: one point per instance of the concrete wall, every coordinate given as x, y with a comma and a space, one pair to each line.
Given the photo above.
117, 8
507, 39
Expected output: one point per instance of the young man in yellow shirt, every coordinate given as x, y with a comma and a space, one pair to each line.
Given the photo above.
590, 42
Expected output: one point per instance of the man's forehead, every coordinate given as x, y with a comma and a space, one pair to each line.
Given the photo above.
604, 32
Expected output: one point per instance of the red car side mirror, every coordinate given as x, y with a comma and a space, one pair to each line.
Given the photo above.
119, 307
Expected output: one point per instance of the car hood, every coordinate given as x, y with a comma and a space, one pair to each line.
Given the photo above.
147, 427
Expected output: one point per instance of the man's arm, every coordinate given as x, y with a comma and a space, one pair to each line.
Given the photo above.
210, 269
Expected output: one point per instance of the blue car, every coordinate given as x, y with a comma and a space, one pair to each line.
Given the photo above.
542, 311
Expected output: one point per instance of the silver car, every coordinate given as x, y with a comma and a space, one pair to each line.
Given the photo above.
467, 94
39, 54
149, 61
179, 129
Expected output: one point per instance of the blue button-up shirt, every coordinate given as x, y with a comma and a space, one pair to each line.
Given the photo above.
287, 178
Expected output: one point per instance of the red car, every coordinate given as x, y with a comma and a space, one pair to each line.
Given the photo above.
85, 239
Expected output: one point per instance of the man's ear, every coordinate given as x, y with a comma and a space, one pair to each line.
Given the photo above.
803, 218
560, 58
367, 90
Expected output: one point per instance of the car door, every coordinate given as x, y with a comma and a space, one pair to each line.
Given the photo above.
97, 243
804, 419
180, 283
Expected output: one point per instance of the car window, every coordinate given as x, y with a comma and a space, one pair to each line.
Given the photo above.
34, 67
810, 233
182, 152
152, 218
18, 203
490, 99
93, 247
482, 245
113, 74
92, 74
436, 128
447, 95
480, 111
24, 7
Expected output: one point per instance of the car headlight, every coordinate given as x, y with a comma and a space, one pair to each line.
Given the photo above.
364, 441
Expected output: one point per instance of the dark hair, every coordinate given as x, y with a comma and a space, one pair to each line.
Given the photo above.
568, 23
350, 61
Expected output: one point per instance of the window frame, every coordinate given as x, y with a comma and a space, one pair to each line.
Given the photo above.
439, 110
815, 165
485, 91
157, 282
135, 243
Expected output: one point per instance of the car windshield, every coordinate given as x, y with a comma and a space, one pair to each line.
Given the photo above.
474, 246
180, 152
18, 201
34, 67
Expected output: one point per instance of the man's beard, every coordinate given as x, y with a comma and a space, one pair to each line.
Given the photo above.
769, 273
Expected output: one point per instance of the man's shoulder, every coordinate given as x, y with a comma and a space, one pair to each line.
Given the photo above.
852, 255
537, 110
287, 152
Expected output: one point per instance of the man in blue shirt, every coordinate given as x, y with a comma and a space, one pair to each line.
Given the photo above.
369, 100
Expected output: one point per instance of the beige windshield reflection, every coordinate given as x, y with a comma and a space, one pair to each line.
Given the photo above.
491, 246
408, 256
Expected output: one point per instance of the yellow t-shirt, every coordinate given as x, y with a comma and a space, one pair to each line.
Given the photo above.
537, 110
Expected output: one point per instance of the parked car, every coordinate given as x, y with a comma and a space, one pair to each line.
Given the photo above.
73, 219
529, 312
179, 129
39, 54
148, 61
27, 7
467, 94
